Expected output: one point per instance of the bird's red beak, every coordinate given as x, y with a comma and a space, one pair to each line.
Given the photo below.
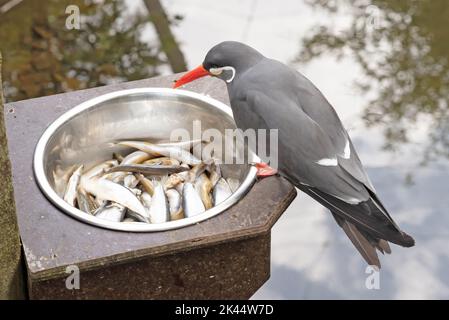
194, 74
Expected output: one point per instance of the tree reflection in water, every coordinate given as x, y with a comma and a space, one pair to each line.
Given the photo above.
403, 49
42, 57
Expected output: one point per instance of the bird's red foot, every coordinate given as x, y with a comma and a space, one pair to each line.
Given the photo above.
264, 170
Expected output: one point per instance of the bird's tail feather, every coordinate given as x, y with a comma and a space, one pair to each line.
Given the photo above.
367, 216
383, 246
363, 242
368, 224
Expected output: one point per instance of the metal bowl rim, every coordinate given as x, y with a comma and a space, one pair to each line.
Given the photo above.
44, 185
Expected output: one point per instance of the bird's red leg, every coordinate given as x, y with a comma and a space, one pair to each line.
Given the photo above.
264, 170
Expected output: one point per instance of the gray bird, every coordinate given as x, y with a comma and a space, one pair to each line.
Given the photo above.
315, 152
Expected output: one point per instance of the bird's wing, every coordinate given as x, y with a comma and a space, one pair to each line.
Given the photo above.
315, 105
305, 151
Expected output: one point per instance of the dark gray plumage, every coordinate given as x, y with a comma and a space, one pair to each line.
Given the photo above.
315, 151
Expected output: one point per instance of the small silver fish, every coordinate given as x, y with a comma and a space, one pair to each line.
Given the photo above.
130, 181
85, 202
196, 171
100, 202
215, 174
186, 145
145, 197
191, 201
179, 187
112, 212
107, 190
146, 184
159, 211
175, 204
135, 157
221, 192
163, 161
72, 186
99, 168
116, 177
137, 192
174, 180
154, 169
139, 217
81, 201
174, 152
203, 186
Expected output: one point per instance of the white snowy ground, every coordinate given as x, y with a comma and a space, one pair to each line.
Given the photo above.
311, 256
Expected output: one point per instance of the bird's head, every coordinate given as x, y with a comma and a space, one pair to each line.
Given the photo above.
225, 61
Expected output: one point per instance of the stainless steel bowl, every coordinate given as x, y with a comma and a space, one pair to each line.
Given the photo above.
83, 135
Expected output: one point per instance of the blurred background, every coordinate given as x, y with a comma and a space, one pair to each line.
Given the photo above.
382, 64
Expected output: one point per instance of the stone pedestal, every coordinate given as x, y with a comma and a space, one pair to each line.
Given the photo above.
225, 257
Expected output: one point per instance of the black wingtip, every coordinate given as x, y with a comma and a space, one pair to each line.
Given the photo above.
407, 241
